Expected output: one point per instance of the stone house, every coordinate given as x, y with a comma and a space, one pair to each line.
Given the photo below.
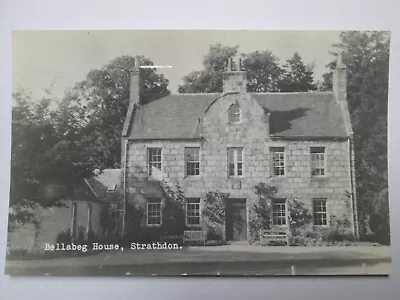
300, 142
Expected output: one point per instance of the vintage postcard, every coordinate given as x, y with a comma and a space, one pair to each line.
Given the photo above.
199, 152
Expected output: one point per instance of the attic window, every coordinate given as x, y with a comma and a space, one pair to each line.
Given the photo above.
112, 188
234, 114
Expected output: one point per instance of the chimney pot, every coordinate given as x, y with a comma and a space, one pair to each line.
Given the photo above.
137, 61
235, 80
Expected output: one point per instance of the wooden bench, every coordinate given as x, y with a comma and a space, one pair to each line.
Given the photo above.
275, 235
194, 236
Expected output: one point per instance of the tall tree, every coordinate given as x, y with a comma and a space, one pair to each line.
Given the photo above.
39, 157
94, 111
209, 80
264, 73
297, 77
366, 55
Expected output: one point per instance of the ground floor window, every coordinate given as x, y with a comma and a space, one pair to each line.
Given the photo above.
320, 212
154, 212
193, 212
279, 212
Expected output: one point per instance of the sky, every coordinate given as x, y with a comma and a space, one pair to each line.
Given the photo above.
56, 59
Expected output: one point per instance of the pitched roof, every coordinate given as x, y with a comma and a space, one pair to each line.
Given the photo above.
308, 114
106, 184
305, 114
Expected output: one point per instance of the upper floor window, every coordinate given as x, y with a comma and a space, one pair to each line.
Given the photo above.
154, 212
278, 161
235, 161
192, 160
319, 212
317, 161
153, 159
192, 211
234, 113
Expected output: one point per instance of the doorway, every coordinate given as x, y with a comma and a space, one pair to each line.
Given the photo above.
236, 220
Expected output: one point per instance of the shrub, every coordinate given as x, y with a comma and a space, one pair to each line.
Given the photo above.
173, 210
214, 213
64, 237
297, 240
260, 215
299, 216
214, 233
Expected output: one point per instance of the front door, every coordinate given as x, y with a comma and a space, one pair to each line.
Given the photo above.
236, 220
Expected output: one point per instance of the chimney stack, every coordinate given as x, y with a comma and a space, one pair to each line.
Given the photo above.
339, 86
235, 78
339, 80
135, 82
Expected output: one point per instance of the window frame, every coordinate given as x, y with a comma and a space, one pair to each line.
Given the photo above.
153, 201
280, 201
236, 162
321, 166
189, 202
234, 117
273, 151
192, 162
151, 163
324, 214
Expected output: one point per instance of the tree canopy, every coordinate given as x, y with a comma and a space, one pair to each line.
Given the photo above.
297, 76
366, 55
264, 73
60, 146
94, 111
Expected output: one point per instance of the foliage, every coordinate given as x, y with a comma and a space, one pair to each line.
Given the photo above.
64, 237
214, 214
379, 220
93, 112
214, 208
366, 55
264, 74
44, 165
173, 211
209, 80
339, 230
297, 76
299, 216
260, 214
263, 71
60, 145
109, 220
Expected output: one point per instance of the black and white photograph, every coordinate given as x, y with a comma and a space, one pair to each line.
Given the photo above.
199, 153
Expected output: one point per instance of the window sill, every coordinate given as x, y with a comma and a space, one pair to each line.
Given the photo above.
236, 177
193, 177
193, 226
148, 225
